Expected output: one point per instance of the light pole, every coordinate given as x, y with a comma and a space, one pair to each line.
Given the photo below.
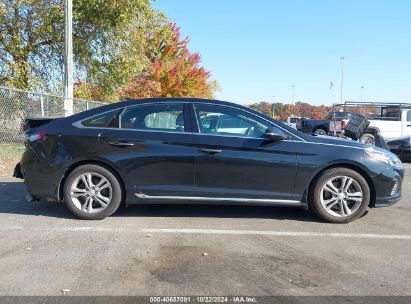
273, 109
68, 58
293, 93
342, 78
362, 92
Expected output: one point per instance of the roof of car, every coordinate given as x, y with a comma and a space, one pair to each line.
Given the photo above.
131, 101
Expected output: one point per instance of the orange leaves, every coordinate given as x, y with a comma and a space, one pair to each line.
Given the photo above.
173, 71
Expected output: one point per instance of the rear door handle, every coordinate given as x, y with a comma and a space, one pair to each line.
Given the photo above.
120, 143
210, 151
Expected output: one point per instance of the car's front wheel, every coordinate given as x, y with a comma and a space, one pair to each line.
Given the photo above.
92, 192
340, 195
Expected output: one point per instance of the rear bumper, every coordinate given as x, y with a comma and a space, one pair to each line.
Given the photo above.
41, 178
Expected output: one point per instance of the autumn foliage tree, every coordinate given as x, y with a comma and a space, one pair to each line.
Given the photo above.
173, 71
283, 111
104, 35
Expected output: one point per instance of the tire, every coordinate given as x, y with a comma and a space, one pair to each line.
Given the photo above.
105, 199
368, 138
320, 132
356, 204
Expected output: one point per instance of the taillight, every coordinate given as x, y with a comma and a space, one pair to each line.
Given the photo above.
343, 123
36, 136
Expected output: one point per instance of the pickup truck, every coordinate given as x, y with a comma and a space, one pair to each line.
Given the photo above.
292, 121
392, 121
333, 123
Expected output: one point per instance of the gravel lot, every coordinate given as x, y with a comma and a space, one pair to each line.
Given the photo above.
201, 250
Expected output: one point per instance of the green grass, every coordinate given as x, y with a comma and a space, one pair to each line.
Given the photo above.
10, 155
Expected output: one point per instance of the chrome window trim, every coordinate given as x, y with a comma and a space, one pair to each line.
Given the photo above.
78, 124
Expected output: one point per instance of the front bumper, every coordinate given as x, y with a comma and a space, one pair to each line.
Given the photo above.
388, 187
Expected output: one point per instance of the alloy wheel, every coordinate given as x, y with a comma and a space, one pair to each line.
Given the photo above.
91, 192
341, 196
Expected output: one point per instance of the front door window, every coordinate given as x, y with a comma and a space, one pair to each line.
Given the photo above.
221, 120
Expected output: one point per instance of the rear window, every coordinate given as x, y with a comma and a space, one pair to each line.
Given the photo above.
340, 115
391, 113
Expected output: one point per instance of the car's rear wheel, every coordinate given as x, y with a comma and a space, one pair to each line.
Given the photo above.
340, 195
92, 192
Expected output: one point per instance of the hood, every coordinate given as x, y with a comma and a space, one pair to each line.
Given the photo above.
336, 141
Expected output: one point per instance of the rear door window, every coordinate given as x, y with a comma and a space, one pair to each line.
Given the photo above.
156, 117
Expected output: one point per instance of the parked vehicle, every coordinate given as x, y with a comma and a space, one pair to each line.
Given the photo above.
332, 124
292, 121
393, 122
168, 151
389, 120
401, 147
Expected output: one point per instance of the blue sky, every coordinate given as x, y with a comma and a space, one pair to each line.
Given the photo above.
258, 49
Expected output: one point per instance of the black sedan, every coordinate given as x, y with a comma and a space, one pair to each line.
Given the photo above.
201, 151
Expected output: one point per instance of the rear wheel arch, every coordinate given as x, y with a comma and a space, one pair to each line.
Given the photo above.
89, 162
353, 167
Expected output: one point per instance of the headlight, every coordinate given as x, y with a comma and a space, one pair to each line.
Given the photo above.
389, 159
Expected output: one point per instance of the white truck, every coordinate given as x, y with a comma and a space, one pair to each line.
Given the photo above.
391, 120
292, 121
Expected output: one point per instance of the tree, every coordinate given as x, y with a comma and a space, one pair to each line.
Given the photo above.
173, 71
105, 33
283, 111
264, 107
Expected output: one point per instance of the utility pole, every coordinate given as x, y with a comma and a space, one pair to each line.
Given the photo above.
362, 92
68, 56
342, 78
273, 109
293, 91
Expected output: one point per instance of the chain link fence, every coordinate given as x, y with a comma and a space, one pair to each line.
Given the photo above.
15, 107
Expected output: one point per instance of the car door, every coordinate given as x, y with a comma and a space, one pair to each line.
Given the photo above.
406, 123
152, 149
235, 161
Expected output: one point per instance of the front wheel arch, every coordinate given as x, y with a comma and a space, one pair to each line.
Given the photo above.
89, 162
347, 166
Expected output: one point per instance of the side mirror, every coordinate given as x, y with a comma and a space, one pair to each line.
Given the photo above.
273, 135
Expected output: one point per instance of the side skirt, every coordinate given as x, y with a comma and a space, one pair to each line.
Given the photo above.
215, 200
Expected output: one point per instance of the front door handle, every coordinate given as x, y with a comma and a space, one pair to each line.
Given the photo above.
408, 125
210, 151
120, 143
